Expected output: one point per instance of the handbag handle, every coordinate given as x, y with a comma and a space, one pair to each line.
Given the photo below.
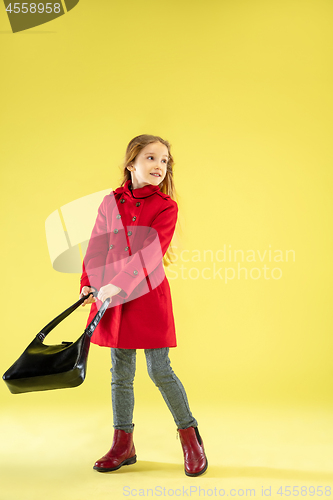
91, 327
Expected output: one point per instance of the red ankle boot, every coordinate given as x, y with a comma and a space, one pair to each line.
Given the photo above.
122, 452
195, 460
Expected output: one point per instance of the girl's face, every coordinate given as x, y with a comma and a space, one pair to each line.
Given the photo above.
150, 165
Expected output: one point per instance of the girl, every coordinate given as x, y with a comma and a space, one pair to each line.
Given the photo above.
124, 261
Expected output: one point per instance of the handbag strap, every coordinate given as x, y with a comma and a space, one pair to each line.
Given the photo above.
90, 329
92, 325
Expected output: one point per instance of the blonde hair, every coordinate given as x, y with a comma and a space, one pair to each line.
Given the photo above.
167, 186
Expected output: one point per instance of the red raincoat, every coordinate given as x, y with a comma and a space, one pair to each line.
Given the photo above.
131, 234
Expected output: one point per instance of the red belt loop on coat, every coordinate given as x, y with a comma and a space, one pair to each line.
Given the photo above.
145, 271
147, 278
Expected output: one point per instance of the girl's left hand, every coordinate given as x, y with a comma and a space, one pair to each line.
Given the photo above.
107, 291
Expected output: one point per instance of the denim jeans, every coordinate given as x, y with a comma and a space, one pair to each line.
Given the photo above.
161, 373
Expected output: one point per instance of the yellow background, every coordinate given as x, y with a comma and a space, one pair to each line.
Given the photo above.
243, 92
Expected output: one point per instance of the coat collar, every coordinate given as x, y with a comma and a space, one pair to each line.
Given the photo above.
143, 192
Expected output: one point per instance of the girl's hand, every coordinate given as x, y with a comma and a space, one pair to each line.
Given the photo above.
107, 291
85, 290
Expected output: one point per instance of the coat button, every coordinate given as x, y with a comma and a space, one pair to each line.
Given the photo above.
126, 248
138, 204
122, 200
111, 246
129, 233
116, 231
134, 218
135, 272
118, 216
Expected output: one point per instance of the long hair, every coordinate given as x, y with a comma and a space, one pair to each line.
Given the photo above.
167, 186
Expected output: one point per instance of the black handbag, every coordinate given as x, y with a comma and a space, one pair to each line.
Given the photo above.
43, 367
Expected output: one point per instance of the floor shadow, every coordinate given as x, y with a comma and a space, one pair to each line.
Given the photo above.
144, 466
227, 472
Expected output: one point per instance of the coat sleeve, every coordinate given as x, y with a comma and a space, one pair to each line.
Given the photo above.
150, 255
94, 260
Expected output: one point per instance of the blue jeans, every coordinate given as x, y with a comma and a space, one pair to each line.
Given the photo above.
161, 373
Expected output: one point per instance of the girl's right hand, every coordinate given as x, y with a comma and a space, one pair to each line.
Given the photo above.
85, 290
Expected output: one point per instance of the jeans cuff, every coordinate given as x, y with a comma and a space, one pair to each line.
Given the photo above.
124, 428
